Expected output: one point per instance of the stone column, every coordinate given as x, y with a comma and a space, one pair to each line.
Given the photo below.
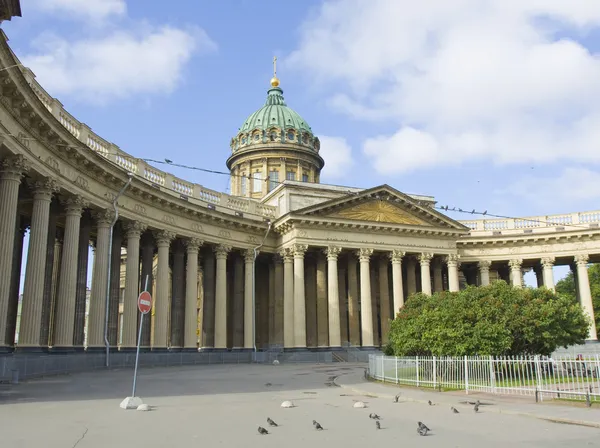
425, 261
343, 301
353, 313
178, 296
299, 298
271, 308
221, 252
238, 302
583, 283
208, 324
515, 272
13, 301
190, 340
384, 299
484, 272
248, 285
452, 262
146, 282
365, 297
131, 314
411, 275
161, 301
333, 296
315, 293
67, 285
438, 279
53, 253
278, 313
83, 253
12, 169
398, 290
115, 286
33, 290
49, 318
539, 278
548, 264
288, 297
97, 311
322, 320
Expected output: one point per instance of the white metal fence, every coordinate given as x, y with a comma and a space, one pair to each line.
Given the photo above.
559, 377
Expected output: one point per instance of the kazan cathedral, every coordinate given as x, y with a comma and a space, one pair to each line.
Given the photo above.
283, 261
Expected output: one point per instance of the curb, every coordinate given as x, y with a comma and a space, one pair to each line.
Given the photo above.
590, 424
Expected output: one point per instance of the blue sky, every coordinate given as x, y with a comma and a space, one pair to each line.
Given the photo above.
485, 104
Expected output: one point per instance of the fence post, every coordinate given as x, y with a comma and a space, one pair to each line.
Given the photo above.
492, 375
538, 376
417, 358
383, 368
396, 363
466, 375
434, 373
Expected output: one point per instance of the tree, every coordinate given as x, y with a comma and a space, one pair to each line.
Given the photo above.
566, 287
488, 320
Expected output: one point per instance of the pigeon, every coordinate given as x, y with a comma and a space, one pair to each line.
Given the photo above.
396, 398
317, 425
430, 403
262, 431
476, 407
422, 429
377, 424
374, 416
454, 410
271, 422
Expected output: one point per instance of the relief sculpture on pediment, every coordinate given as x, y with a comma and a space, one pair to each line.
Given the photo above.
378, 211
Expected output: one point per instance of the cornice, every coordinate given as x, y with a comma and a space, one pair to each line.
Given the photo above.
511, 240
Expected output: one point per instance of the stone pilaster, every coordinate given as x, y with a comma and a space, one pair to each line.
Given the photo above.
411, 274
248, 285
238, 302
452, 262
133, 233
83, 253
221, 252
146, 282
398, 288
548, 274
190, 339
364, 256
96, 317
278, 313
425, 261
321, 314
484, 272
12, 170
288, 297
178, 295
384, 299
33, 290
438, 278
67, 285
333, 296
299, 297
353, 310
585, 293
516, 275
208, 280
163, 240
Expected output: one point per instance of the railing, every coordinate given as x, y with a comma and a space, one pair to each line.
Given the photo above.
534, 224
170, 183
555, 378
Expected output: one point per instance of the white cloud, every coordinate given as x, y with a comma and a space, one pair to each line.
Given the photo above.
119, 65
91, 10
337, 155
462, 80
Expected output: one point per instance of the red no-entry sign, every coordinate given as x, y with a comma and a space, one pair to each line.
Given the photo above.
145, 302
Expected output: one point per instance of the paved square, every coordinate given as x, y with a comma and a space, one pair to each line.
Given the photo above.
223, 405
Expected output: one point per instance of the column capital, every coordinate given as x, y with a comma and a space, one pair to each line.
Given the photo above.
582, 259
364, 254
104, 217
163, 237
548, 262
425, 258
332, 252
515, 263
299, 250
134, 229
484, 265
74, 205
13, 167
193, 244
221, 250
44, 189
286, 254
453, 260
249, 255
396, 255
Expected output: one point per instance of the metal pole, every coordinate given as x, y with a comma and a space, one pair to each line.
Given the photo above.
110, 238
137, 351
254, 293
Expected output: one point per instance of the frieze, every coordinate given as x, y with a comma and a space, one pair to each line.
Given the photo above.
23, 139
139, 208
110, 196
168, 219
224, 233
53, 164
82, 182
252, 239
197, 227
302, 233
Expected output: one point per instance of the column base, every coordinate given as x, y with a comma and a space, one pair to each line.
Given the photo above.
189, 350
61, 350
31, 349
295, 349
175, 349
128, 349
159, 350
242, 350
206, 349
96, 349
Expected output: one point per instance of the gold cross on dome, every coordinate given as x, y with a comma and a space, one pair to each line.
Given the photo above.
275, 66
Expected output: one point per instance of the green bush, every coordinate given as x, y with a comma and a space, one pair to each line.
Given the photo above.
489, 320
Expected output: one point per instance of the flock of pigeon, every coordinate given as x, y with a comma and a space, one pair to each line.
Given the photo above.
422, 429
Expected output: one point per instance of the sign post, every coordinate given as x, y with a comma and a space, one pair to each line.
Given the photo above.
144, 305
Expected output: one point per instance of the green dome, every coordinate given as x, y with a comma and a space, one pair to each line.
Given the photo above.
275, 113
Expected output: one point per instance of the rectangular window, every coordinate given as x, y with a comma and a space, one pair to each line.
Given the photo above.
243, 185
305, 178
257, 182
273, 179
290, 175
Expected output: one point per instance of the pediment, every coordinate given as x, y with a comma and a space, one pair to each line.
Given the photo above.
383, 205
